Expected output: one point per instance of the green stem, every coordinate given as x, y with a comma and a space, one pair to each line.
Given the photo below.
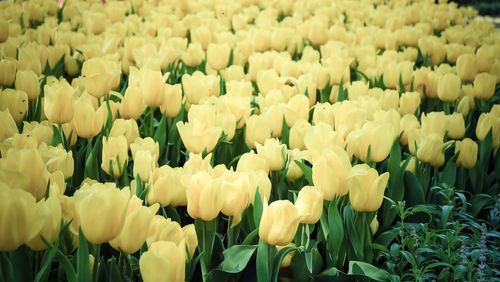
274, 185
97, 255
151, 122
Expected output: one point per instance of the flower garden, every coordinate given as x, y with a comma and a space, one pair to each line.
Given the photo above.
216, 140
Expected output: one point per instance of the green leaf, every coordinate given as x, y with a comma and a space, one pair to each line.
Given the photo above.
342, 94
6, 271
352, 232
236, 258
363, 268
449, 175
47, 261
258, 208
161, 134
414, 194
113, 271
307, 170
387, 237
278, 259
401, 85
264, 257
57, 136
395, 189
410, 258
478, 201
91, 164
82, 259
251, 237
335, 230
285, 133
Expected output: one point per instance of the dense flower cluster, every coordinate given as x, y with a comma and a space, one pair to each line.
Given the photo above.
94, 93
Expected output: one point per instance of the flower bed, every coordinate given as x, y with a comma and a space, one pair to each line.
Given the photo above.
248, 140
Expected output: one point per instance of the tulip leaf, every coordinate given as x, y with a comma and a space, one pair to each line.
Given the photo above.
257, 208
449, 174
401, 85
386, 237
414, 194
335, 238
47, 261
82, 259
236, 258
114, 273
307, 170
478, 201
352, 232
161, 134
278, 258
265, 256
395, 190
6, 269
91, 165
363, 268
285, 133
342, 94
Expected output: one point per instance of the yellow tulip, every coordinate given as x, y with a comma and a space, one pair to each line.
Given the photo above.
467, 150
484, 85
8, 72
366, 188
273, 152
309, 203
101, 210
135, 227
50, 211
57, 159
27, 81
9, 127
153, 87
330, 171
127, 128
164, 229
279, 223
100, 76
88, 123
205, 200
166, 187
16, 101
173, 100
297, 134
114, 155
251, 162
430, 149
19, 223
455, 126
218, 56
58, 102
448, 87
132, 105
191, 238
164, 261
467, 67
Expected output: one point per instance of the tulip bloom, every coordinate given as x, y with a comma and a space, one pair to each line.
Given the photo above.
135, 227
166, 187
279, 223
430, 149
218, 56
309, 203
9, 127
88, 123
205, 200
18, 223
16, 101
467, 152
164, 261
50, 211
7, 71
366, 188
114, 155
448, 87
101, 210
27, 81
330, 171
273, 152
58, 102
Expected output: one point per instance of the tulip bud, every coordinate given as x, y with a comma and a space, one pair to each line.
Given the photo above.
279, 223
485, 123
59, 102
296, 109
191, 238
101, 210
132, 105
199, 86
294, 172
9, 127
252, 162
467, 150
162, 229
218, 56
297, 134
274, 153
235, 190
202, 35
16, 101
366, 188
448, 87
330, 171
455, 126
163, 261
114, 155
153, 87
378, 138
205, 200
57, 159
166, 187
135, 227
309, 204
374, 225
194, 55
19, 223
50, 212
464, 105
173, 100
100, 76
7, 72
430, 149
409, 103
406, 124
257, 130
27, 81
467, 67
433, 122
484, 85
125, 127
88, 123
485, 58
